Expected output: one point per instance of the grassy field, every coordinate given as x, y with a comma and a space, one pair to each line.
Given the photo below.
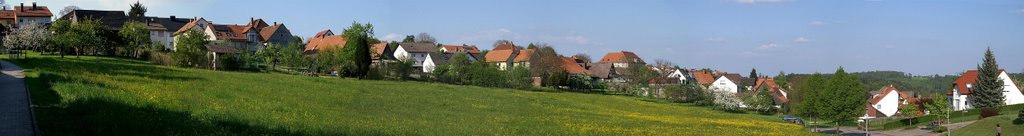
99, 95
955, 116
987, 126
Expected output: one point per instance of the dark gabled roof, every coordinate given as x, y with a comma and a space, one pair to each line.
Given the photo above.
601, 70
441, 58
112, 20
418, 47
170, 24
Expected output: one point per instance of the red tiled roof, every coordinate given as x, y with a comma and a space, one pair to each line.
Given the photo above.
967, 78
190, 25
323, 33
7, 14
39, 11
775, 90
268, 32
377, 50
524, 55
621, 57
704, 77
325, 42
572, 67
498, 55
885, 91
460, 48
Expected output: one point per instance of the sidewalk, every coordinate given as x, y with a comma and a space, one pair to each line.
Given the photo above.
16, 117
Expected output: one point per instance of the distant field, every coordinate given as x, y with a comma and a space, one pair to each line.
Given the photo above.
99, 95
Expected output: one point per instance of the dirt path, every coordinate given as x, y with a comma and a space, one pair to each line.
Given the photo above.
16, 117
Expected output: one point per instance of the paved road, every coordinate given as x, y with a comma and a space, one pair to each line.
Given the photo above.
16, 117
849, 131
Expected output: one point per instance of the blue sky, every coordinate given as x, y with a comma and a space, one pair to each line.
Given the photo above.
798, 36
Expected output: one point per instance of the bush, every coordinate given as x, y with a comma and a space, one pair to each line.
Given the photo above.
726, 101
940, 129
989, 112
160, 58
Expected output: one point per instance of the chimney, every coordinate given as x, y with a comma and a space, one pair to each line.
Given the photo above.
33, 5
252, 20
275, 23
22, 7
174, 18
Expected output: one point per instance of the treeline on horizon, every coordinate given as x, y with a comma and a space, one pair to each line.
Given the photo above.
921, 85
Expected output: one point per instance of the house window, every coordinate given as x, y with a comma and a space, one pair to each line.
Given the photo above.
722, 83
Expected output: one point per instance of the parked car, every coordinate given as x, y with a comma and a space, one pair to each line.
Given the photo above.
792, 119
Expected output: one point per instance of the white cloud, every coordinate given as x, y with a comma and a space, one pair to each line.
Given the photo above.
768, 46
818, 23
392, 37
802, 40
760, 1
716, 39
1021, 11
572, 39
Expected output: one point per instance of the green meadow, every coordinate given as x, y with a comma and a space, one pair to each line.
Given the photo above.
102, 95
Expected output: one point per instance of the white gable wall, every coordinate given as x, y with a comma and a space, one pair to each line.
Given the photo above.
428, 65
1010, 90
889, 104
724, 84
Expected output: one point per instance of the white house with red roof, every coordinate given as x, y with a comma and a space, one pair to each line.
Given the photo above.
886, 103
778, 93
958, 96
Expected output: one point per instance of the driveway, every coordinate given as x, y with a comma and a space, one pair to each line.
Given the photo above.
16, 117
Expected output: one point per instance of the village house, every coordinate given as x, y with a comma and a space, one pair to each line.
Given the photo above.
704, 78
778, 93
963, 86
605, 72
886, 102
250, 37
573, 67
447, 53
326, 40
507, 55
679, 75
728, 83
414, 51
435, 59
161, 30
10, 19
459, 48
622, 59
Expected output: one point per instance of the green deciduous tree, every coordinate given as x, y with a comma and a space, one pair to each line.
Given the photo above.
939, 105
811, 104
988, 88
844, 99
271, 55
191, 49
761, 101
136, 35
781, 80
357, 46
909, 112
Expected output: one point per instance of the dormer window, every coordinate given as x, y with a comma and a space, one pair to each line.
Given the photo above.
969, 85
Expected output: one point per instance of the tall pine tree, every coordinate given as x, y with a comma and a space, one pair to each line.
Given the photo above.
753, 73
987, 91
137, 10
